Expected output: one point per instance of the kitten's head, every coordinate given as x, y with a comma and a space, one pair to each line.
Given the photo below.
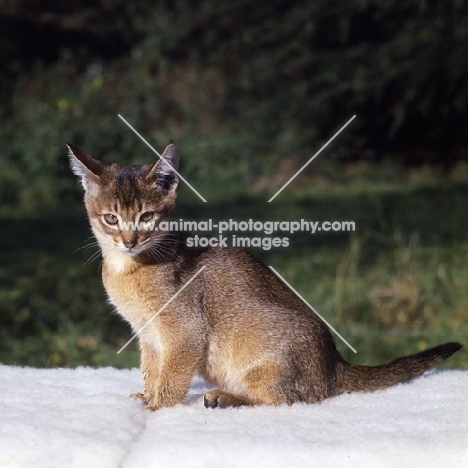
126, 203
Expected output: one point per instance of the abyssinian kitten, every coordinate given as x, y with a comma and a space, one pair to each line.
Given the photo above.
235, 324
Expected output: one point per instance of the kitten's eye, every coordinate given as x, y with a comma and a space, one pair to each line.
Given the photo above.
148, 216
111, 219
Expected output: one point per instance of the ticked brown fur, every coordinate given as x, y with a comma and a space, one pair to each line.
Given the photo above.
235, 324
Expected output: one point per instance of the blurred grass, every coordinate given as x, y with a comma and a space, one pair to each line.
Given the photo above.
395, 286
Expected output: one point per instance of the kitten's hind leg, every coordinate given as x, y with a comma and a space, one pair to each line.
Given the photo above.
220, 399
261, 385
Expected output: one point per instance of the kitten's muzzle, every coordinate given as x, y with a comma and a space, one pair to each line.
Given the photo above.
130, 243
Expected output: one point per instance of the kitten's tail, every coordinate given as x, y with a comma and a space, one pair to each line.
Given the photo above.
354, 378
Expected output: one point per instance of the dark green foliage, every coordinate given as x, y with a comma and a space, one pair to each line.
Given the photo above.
238, 86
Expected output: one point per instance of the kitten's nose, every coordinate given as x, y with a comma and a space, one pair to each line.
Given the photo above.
129, 243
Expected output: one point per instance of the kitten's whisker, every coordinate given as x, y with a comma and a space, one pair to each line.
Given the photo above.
89, 245
161, 251
93, 257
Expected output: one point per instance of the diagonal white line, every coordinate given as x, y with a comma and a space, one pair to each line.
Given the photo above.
147, 144
312, 158
161, 309
310, 307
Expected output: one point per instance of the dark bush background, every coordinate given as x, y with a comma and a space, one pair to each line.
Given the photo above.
249, 91
253, 81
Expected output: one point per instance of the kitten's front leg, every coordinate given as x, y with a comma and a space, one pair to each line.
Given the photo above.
177, 367
167, 373
149, 366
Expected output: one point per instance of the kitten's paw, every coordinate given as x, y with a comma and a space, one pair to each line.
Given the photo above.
210, 399
219, 399
152, 403
153, 407
149, 401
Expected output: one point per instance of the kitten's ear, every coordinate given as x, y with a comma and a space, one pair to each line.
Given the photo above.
163, 172
88, 169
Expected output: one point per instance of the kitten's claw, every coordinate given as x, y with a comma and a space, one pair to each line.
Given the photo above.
139, 395
148, 401
153, 407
